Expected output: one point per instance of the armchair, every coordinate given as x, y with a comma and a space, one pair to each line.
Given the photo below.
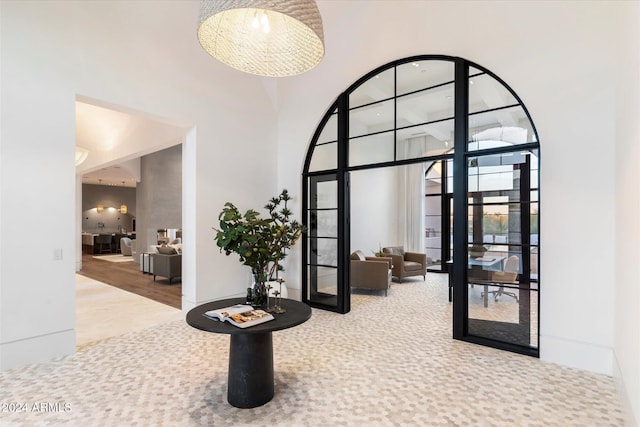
406, 264
169, 266
125, 246
370, 272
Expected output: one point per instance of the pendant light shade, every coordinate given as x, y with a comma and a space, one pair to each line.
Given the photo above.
273, 38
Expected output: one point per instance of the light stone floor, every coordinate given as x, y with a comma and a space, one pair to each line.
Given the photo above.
389, 362
104, 311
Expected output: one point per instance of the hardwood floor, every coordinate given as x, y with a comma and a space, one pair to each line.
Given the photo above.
127, 276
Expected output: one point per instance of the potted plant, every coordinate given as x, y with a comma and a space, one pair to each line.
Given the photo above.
260, 243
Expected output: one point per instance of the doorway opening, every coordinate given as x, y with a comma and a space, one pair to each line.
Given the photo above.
129, 188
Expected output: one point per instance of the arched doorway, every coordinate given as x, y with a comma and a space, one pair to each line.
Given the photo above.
452, 112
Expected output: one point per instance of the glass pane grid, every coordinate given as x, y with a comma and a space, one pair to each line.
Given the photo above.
425, 106
423, 74
500, 128
330, 131
325, 157
379, 87
372, 118
425, 140
486, 93
371, 149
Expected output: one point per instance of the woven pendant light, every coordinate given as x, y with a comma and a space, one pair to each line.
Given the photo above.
274, 38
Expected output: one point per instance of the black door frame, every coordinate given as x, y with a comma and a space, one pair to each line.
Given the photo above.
460, 193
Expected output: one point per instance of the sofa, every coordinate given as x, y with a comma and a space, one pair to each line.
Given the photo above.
406, 264
370, 272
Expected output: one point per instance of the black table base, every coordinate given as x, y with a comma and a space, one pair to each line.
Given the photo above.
251, 382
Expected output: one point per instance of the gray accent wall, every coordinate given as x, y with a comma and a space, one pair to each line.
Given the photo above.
158, 195
111, 197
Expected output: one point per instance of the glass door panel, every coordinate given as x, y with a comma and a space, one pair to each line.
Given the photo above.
322, 243
433, 232
502, 305
433, 215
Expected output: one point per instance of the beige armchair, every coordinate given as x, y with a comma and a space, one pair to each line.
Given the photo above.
370, 272
406, 264
125, 246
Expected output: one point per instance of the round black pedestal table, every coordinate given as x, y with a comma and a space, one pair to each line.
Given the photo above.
250, 378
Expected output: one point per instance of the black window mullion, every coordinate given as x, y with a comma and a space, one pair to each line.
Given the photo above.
444, 220
460, 172
344, 244
395, 114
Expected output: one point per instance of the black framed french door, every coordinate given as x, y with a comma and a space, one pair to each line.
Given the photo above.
323, 248
439, 215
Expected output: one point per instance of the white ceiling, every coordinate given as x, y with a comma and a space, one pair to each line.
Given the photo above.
115, 175
104, 131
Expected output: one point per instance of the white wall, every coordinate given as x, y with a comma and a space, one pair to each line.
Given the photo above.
374, 209
564, 75
627, 207
558, 56
127, 54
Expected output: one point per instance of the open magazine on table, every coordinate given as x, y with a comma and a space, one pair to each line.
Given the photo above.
240, 315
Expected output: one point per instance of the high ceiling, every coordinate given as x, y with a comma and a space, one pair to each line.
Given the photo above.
115, 175
104, 132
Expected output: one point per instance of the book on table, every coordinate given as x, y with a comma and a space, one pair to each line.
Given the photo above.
240, 315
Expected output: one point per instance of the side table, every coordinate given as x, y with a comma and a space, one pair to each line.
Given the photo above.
146, 262
250, 377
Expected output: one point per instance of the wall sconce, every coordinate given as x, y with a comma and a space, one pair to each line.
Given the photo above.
100, 208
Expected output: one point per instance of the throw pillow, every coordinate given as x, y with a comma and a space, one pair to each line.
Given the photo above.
166, 250
395, 251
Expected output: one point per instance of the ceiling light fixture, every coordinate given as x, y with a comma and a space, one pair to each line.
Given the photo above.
123, 207
100, 207
81, 155
263, 37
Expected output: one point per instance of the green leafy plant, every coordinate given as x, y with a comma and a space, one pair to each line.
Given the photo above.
260, 243
379, 252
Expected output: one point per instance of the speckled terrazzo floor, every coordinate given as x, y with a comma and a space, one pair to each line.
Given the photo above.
370, 367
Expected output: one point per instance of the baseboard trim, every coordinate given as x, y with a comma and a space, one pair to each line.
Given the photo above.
627, 409
577, 354
37, 349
